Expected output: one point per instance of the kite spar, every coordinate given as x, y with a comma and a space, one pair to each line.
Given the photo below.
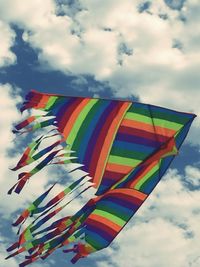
125, 147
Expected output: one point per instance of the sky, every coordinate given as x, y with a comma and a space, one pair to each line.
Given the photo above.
146, 51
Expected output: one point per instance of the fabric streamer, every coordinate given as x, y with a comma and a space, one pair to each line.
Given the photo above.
125, 147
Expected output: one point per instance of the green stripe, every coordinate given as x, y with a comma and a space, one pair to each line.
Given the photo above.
28, 245
27, 234
31, 207
34, 171
51, 101
157, 122
159, 115
146, 177
72, 238
123, 161
128, 153
84, 127
138, 117
153, 177
79, 121
167, 124
110, 217
115, 212
93, 243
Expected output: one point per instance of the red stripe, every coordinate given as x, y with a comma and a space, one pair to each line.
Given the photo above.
69, 109
142, 133
121, 192
39, 100
74, 116
113, 175
131, 199
36, 96
112, 230
148, 127
105, 221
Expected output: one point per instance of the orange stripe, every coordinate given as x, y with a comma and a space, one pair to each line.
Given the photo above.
148, 127
107, 144
43, 101
74, 116
149, 167
129, 192
112, 167
105, 221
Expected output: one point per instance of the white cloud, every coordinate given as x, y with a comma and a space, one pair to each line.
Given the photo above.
10, 204
7, 37
38, 183
10, 115
193, 175
165, 231
88, 41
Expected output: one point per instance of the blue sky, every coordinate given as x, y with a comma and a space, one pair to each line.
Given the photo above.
140, 50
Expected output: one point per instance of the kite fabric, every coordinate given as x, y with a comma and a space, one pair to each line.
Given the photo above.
123, 147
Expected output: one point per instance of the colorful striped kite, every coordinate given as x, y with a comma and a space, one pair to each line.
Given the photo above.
124, 146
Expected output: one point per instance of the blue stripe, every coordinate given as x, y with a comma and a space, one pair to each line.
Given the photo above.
137, 140
122, 202
60, 107
93, 238
120, 209
90, 130
102, 233
132, 147
96, 131
106, 181
152, 109
151, 183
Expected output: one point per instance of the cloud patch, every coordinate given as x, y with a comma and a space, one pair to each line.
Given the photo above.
7, 37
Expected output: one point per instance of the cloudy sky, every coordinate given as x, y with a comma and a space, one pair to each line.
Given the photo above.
139, 50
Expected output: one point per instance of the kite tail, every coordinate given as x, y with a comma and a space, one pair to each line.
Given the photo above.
51, 152
81, 251
35, 100
32, 207
65, 231
27, 262
55, 153
35, 209
28, 235
24, 176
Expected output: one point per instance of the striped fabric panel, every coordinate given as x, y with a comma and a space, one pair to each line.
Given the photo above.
88, 125
149, 181
111, 214
90, 130
145, 177
85, 124
142, 132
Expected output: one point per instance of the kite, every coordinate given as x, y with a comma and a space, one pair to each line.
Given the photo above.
125, 147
